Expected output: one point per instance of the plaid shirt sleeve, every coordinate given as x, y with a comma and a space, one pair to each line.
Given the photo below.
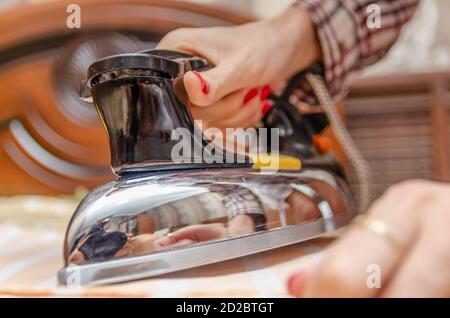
348, 43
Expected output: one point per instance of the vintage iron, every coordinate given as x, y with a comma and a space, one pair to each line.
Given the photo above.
162, 216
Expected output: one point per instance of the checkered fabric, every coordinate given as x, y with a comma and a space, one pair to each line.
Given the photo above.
348, 41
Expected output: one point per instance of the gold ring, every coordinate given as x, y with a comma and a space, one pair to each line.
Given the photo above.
172, 239
379, 228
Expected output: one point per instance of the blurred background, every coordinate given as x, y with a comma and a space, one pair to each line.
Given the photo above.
51, 143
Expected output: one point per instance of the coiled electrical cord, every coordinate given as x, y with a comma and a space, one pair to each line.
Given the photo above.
358, 162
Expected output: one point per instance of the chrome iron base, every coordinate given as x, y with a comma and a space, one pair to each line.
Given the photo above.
147, 226
127, 269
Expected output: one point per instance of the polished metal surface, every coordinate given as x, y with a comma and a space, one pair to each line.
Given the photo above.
144, 226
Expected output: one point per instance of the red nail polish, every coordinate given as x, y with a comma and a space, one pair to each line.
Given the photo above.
205, 86
266, 108
296, 283
265, 92
250, 94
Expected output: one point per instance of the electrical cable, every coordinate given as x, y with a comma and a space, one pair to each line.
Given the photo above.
360, 165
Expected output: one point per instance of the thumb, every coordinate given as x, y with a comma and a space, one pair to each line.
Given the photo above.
206, 88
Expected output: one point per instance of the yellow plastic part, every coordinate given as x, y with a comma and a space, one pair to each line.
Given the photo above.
275, 162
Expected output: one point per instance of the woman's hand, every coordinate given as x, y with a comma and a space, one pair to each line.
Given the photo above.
413, 257
247, 59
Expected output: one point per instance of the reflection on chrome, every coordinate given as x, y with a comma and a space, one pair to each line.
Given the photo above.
138, 216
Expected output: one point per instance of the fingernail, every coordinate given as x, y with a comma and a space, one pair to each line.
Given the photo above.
250, 94
266, 108
205, 86
265, 92
297, 282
